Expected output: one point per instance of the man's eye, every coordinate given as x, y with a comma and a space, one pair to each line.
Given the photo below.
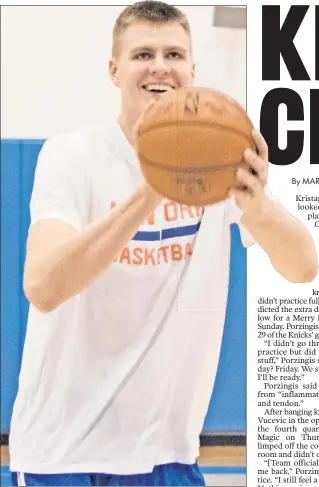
143, 55
175, 55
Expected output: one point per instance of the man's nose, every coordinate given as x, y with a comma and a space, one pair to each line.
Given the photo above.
160, 65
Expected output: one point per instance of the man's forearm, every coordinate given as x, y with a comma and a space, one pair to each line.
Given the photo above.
287, 242
75, 265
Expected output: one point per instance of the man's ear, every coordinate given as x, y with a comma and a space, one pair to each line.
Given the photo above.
113, 72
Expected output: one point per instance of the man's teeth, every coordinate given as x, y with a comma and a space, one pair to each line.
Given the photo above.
158, 87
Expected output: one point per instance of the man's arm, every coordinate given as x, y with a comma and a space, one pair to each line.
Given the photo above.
284, 238
60, 262
287, 242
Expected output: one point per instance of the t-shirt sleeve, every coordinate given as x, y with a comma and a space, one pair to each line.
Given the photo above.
60, 189
234, 215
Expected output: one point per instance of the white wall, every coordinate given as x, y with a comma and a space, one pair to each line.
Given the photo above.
222, 62
55, 65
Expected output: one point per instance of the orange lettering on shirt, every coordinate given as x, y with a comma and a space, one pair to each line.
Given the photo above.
170, 211
187, 209
176, 252
188, 250
164, 253
199, 210
150, 218
149, 256
125, 256
138, 256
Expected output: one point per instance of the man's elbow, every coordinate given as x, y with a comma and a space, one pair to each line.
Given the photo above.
306, 274
311, 273
312, 266
43, 300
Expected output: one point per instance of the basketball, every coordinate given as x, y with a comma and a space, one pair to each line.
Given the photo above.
191, 143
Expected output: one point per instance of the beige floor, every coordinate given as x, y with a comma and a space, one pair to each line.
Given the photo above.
4, 456
223, 456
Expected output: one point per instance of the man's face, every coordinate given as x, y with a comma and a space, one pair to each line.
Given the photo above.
151, 58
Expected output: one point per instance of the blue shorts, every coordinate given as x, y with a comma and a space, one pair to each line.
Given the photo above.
168, 474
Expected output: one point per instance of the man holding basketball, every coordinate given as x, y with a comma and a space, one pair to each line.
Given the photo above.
128, 290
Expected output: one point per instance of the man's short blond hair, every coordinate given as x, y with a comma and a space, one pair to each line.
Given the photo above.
149, 11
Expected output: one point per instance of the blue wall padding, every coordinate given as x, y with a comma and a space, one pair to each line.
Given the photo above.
227, 410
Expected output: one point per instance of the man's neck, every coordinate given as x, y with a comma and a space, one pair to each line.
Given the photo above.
127, 125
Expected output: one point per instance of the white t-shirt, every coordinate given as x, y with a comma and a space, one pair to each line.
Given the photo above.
118, 379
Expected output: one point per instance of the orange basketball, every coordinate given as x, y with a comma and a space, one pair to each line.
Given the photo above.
191, 143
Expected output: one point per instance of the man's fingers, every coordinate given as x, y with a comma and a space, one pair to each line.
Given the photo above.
241, 196
246, 179
261, 144
257, 164
135, 130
